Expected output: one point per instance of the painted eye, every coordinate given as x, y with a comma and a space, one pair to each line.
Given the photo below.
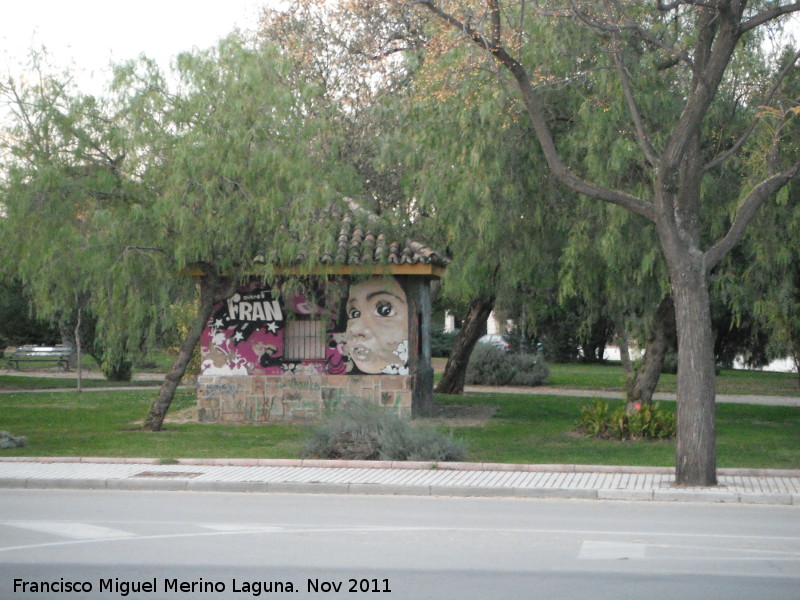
354, 313
384, 309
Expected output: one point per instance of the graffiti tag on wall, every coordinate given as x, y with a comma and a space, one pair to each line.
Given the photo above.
361, 329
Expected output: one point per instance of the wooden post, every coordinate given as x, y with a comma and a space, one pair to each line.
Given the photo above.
420, 368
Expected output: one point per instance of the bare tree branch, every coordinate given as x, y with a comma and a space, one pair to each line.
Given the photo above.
494, 16
718, 49
636, 115
536, 111
747, 212
769, 15
679, 3
609, 27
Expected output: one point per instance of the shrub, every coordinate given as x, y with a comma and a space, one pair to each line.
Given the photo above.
489, 365
11, 441
117, 370
646, 422
442, 343
531, 370
358, 431
595, 419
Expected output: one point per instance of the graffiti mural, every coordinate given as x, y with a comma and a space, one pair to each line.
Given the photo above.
377, 326
358, 327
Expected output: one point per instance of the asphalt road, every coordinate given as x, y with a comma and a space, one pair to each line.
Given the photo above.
190, 545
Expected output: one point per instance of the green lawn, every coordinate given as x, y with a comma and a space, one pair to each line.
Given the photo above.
107, 424
539, 429
524, 429
611, 377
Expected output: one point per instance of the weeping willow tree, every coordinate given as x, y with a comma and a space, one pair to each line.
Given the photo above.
61, 167
192, 177
240, 161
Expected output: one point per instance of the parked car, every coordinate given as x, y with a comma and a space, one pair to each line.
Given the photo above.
496, 340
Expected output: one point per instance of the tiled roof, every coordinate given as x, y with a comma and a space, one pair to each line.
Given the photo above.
362, 242
364, 245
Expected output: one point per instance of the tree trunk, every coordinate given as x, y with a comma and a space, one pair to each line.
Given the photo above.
213, 289
452, 381
662, 335
79, 350
420, 370
696, 454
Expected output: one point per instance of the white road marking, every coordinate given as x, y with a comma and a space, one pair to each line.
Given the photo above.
75, 531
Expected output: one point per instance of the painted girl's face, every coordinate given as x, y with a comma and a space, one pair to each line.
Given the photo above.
377, 326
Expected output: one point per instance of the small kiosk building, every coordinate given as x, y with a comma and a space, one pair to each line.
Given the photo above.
355, 326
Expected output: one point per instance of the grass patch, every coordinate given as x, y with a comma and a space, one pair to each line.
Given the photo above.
522, 429
107, 424
539, 429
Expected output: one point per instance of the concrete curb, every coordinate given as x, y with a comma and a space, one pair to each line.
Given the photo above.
379, 464
589, 482
673, 495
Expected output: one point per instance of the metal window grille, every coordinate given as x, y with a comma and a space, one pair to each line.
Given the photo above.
304, 340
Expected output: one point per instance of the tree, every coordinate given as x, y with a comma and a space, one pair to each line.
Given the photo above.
698, 48
221, 176
241, 165
62, 157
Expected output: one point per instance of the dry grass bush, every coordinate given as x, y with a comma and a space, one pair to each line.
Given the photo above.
358, 431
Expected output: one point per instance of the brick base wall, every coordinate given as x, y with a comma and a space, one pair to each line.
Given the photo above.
266, 399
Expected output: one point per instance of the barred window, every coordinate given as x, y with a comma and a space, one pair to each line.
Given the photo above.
304, 340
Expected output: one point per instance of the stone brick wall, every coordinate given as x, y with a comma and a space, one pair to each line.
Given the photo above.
265, 399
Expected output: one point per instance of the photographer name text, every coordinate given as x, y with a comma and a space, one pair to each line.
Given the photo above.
122, 588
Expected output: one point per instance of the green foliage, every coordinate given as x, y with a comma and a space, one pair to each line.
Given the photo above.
64, 170
242, 162
17, 325
442, 343
670, 363
489, 365
111, 201
117, 370
645, 422
595, 419
363, 432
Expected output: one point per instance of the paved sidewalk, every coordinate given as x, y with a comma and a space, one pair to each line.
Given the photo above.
658, 396
747, 486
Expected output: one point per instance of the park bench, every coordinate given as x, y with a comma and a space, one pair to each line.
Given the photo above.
58, 354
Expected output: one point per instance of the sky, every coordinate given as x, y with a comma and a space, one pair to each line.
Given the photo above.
87, 35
